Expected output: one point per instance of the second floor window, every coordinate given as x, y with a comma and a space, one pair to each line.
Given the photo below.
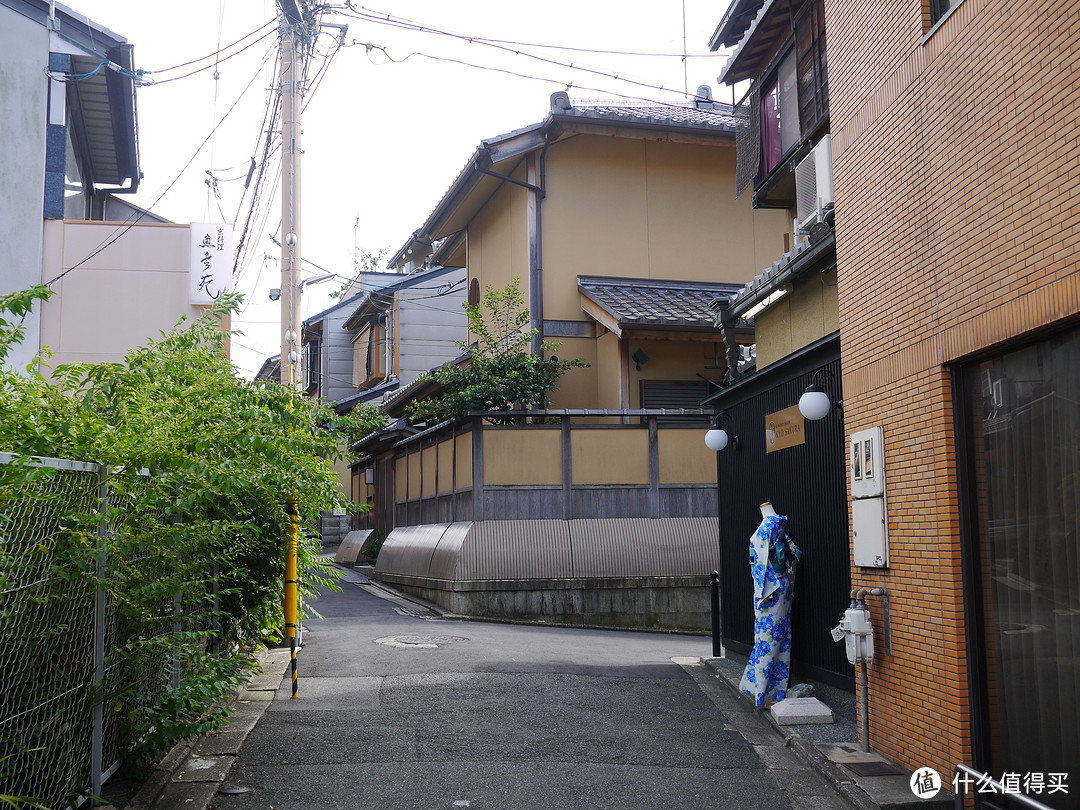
813, 66
779, 115
939, 8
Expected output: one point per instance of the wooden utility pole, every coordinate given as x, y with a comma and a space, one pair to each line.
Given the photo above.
290, 95
293, 14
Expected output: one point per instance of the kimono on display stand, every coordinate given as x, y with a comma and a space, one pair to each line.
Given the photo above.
773, 557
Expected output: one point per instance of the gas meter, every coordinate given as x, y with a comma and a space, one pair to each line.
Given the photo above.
857, 632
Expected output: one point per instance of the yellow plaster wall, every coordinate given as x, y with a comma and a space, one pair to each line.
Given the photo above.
464, 460
668, 360
532, 456
648, 209
610, 456
577, 387
684, 458
401, 469
809, 313
498, 240
607, 371
430, 460
446, 465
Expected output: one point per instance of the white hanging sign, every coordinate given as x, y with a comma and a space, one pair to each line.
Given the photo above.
210, 265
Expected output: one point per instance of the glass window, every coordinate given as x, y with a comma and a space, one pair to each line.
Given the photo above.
779, 115
1024, 415
939, 8
75, 197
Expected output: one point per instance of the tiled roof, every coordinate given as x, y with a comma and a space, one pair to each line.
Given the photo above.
718, 116
804, 254
651, 303
713, 117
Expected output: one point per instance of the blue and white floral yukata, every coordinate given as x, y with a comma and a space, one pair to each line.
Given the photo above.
772, 564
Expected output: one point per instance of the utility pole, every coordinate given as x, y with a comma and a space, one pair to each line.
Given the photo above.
293, 14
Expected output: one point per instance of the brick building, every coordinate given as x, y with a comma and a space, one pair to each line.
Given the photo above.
956, 159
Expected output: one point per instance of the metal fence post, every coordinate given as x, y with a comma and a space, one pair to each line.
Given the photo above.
714, 588
97, 738
216, 645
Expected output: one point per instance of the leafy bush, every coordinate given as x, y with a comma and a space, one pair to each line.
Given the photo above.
196, 546
500, 373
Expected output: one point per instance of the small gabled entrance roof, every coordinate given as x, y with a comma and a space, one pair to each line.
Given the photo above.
621, 304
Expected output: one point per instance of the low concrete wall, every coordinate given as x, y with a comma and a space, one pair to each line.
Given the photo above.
619, 572
642, 603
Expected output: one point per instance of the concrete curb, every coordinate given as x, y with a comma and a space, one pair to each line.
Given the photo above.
189, 776
882, 795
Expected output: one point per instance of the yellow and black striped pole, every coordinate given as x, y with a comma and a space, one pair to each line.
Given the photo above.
291, 589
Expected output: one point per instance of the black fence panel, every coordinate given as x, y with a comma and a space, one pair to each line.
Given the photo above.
807, 484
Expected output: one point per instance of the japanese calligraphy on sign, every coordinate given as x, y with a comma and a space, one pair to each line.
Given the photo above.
210, 265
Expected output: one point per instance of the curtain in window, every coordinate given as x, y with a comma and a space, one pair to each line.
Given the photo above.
1024, 410
771, 145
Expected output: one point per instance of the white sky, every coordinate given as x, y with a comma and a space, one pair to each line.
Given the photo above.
382, 141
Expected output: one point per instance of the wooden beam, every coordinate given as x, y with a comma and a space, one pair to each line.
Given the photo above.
478, 468
567, 470
654, 468
600, 315
744, 338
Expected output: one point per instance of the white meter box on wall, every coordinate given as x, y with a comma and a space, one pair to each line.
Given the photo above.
868, 515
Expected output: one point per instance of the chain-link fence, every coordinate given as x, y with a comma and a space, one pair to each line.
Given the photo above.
64, 642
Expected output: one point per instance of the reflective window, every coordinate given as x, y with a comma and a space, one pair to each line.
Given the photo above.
1024, 416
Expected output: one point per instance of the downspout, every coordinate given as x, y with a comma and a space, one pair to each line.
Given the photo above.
536, 257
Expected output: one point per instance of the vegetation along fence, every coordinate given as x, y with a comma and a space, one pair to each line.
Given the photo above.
77, 671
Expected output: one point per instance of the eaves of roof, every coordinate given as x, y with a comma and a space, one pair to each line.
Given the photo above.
376, 300
771, 26
352, 300
501, 153
798, 260
733, 25
271, 366
652, 304
385, 437
103, 99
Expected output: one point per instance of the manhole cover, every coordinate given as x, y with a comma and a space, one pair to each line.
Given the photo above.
419, 642
873, 768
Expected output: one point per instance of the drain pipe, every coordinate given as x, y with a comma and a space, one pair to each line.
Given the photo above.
864, 636
537, 175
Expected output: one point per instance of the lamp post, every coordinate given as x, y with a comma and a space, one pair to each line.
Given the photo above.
718, 439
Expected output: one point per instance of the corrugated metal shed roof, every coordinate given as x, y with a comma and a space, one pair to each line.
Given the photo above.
522, 550
652, 303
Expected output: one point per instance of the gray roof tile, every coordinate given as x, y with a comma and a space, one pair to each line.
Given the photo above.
655, 303
717, 117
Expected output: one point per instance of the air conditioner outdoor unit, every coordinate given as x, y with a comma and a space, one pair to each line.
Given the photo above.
814, 184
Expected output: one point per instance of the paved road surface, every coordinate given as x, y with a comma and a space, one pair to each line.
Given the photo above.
399, 712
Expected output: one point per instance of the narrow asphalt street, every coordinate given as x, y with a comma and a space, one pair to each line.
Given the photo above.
398, 711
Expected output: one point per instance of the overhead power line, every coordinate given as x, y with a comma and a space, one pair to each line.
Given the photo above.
381, 18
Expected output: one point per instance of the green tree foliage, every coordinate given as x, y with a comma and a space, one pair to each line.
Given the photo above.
500, 372
197, 542
365, 418
365, 261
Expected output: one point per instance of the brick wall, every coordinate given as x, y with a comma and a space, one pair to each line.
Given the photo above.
957, 161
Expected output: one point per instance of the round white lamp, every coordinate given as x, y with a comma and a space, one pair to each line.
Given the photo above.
716, 439
814, 403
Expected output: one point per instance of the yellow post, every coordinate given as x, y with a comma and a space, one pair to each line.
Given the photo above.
291, 589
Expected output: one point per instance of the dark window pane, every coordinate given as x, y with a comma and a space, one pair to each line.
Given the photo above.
1024, 408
